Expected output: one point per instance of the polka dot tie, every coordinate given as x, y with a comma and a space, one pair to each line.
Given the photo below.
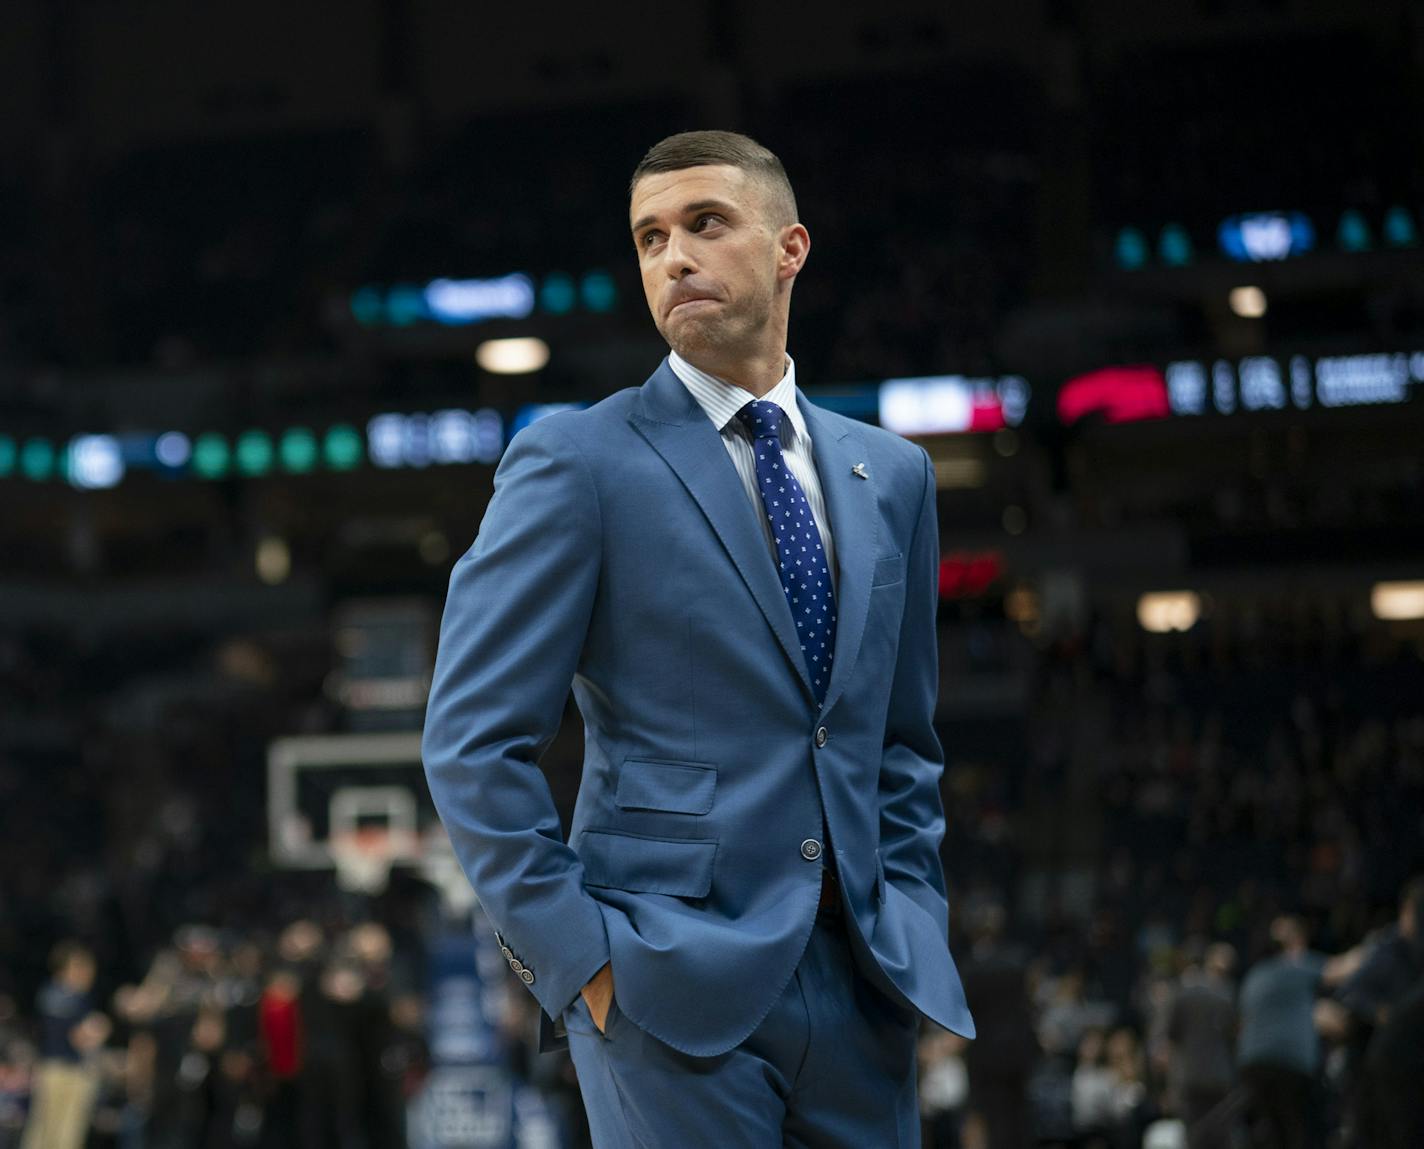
805, 577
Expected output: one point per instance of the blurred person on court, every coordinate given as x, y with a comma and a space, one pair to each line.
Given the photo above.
748, 917
1394, 1071
1278, 1051
66, 1081
380, 1042
1389, 966
1201, 1047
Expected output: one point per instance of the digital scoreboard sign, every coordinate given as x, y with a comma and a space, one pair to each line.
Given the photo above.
925, 405
1188, 387
1300, 382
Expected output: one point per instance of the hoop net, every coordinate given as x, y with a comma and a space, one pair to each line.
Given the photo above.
363, 857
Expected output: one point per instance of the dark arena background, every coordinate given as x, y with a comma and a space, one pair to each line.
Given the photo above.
280, 280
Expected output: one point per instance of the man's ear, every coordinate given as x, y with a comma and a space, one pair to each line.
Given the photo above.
794, 245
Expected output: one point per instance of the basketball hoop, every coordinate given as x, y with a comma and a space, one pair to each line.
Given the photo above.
363, 857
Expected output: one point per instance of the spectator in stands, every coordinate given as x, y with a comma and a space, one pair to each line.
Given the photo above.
944, 1088
1132, 1108
1093, 1089
71, 1031
1000, 1062
1201, 1036
17, 1058
281, 1040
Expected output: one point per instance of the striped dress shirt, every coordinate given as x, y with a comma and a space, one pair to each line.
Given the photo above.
722, 401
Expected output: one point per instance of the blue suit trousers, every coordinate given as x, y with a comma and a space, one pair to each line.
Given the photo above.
831, 1066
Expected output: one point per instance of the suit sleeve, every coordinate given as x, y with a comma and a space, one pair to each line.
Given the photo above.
516, 616
911, 811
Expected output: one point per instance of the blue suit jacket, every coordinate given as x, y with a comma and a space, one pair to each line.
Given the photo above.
620, 552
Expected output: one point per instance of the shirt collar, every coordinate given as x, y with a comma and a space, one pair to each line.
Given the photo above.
722, 400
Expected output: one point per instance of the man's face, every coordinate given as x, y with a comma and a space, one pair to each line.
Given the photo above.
713, 264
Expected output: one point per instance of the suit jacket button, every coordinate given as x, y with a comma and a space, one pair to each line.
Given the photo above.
526, 976
507, 952
810, 849
515, 965
821, 735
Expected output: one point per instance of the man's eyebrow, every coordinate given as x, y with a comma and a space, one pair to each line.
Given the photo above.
688, 209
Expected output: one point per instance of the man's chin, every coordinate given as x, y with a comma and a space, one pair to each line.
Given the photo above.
690, 339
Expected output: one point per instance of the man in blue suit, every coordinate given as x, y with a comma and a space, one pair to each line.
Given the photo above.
748, 917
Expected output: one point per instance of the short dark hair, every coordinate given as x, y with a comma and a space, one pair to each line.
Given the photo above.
702, 149
67, 951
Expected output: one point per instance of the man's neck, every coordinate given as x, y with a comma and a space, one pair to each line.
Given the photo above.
757, 375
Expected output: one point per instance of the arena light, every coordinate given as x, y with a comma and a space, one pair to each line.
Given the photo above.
451, 436
557, 294
598, 291
1353, 234
37, 459
1164, 611
512, 356
254, 452
274, 560
297, 450
1266, 236
1399, 230
1397, 601
95, 462
341, 447
460, 301
947, 404
1174, 246
172, 449
211, 456
1247, 302
1130, 250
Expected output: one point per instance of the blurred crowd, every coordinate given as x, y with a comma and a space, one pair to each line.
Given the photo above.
229, 251
1226, 949
1306, 1050
1185, 888
308, 1039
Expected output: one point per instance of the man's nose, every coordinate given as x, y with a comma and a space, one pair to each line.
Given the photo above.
677, 258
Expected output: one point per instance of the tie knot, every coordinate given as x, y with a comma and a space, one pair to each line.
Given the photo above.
762, 419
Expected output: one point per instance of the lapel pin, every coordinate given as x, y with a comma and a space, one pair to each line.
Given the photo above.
859, 471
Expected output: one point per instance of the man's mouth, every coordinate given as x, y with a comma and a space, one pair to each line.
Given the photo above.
693, 299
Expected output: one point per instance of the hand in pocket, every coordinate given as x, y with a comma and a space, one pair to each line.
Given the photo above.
598, 995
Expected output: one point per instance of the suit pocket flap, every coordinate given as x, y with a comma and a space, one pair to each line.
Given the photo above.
673, 787
888, 570
678, 866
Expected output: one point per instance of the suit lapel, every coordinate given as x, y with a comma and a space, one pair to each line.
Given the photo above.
850, 505
675, 426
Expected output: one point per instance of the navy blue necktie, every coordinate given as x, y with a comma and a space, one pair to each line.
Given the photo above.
805, 576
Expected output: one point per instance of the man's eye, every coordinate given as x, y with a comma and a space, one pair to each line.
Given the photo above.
701, 219
647, 238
